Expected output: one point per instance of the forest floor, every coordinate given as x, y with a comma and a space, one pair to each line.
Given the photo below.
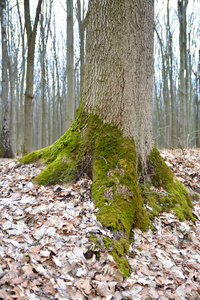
46, 250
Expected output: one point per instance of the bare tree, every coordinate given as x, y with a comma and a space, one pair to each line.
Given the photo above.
82, 26
183, 92
22, 77
70, 107
5, 144
31, 37
45, 22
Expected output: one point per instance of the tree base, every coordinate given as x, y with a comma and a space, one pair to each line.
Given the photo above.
109, 159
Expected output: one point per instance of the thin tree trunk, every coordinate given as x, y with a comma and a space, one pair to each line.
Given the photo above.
54, 126
172, 135
21, 104
165, 93
182, 6
70, 107
82, 26
5, 143
31, 36
13, 106
198, 145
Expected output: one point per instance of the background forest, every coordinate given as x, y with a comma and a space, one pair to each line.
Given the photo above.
59, 65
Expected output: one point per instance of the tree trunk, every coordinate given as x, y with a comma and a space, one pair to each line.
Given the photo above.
111, 138
70, 108
171, 78
44, 141
5, 144
44, 35
31, 36
198, 96
54, 121
21, 104
13, 103
165, 93
81, 26
183, 91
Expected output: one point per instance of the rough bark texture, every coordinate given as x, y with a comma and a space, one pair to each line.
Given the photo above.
81, 25
31, 36
111, 137
120, 82
70, 107
20, 107
5, 144
183, 74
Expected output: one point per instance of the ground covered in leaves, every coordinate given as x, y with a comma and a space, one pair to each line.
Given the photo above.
47, 249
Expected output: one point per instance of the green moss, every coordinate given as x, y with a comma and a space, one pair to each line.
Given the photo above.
119, 250
63, 158
176, 197
93, 239
115, 189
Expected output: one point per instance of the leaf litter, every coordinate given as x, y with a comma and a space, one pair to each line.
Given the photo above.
46, 251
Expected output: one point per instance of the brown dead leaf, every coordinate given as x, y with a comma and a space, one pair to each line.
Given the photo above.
103, 289
49, 289
28, 271
17, 280
67, 228
17, 294
86, 286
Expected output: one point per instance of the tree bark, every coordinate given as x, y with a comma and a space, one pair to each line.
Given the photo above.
21, 104
5, 143
81, 26
44, 35
70, 107
173, 140
114, 81
31, 36
183, 74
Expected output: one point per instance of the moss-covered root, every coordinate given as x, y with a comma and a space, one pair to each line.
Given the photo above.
63, 159
115, 188
102, 151
119, 251
175, 196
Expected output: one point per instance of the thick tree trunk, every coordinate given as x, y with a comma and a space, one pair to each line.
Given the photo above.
118, 82
111, 137
5, 143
